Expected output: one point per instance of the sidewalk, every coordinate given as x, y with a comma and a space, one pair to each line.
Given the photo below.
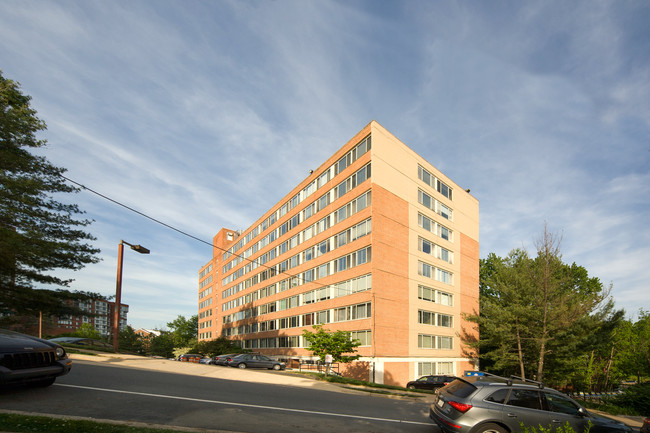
632, 421
195, 369
280, 378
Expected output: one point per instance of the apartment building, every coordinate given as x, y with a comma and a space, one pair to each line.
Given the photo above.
101, 317
376, 241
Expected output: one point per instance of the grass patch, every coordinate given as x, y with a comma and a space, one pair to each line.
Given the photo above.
28, 423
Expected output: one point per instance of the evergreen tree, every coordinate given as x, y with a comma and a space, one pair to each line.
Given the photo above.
540, 316
38, 234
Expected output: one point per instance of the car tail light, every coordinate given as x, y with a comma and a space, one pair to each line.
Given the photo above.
460, 407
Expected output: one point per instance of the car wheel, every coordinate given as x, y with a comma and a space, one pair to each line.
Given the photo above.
411, 387
241, 365
276, 367
490, 428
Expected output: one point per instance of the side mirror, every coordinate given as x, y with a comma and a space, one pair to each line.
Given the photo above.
583, 412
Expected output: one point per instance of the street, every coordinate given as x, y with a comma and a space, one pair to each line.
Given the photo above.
110, 392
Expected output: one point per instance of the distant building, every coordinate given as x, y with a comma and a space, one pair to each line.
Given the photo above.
147, 333
376, 241
102, 321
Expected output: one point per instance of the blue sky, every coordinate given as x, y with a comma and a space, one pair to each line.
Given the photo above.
204, 114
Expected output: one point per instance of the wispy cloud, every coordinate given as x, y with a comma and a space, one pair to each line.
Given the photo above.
203, 115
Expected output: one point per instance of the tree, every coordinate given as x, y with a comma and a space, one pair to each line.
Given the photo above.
537, 313
86, 330
337, 343
563, 296
162, 345
130, 341
38, 234
184, 331
632, 357
504, 316
218, 346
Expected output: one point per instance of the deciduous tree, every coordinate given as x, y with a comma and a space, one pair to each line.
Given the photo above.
184, 331
130, 341
336, 343
86, 330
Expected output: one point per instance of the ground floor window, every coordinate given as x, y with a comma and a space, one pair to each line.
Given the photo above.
429, 368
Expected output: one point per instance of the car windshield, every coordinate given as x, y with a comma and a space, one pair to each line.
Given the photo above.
460, 388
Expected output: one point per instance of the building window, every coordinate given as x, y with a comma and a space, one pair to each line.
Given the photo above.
435, 342
353, 312
434, 182
364, 337
430, 271
433, 204
445, 342
445, 320
433, 227
354, 154
431, 368
432, 295
446, 299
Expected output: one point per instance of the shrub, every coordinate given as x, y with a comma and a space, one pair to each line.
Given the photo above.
636, 397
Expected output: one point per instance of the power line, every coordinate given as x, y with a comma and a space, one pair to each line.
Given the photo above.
138, 212
238, 255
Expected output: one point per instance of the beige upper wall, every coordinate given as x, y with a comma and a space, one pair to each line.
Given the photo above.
395, 168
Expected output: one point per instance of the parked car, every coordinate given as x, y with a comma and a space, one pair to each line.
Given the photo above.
249, 360
645, 428
91, 343
223, 359
206, 360
27, 359
492, 404
190, 357
430, 382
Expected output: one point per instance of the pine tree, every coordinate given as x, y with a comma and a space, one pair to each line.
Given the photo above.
38, 234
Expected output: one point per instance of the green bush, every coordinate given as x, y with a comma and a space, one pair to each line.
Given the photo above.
636, 397
566, 429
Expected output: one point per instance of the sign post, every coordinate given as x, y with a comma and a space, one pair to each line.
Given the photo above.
328, 363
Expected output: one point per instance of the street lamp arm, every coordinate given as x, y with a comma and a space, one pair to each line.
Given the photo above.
137, 248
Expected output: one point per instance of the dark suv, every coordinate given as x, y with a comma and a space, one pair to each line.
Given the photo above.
31, 360
430, 382
492, 404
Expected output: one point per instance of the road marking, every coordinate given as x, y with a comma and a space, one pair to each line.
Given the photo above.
256, 406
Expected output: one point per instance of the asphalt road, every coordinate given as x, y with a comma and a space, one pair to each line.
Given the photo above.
103, 391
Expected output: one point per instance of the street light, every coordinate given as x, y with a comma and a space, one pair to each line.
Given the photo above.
118, 288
